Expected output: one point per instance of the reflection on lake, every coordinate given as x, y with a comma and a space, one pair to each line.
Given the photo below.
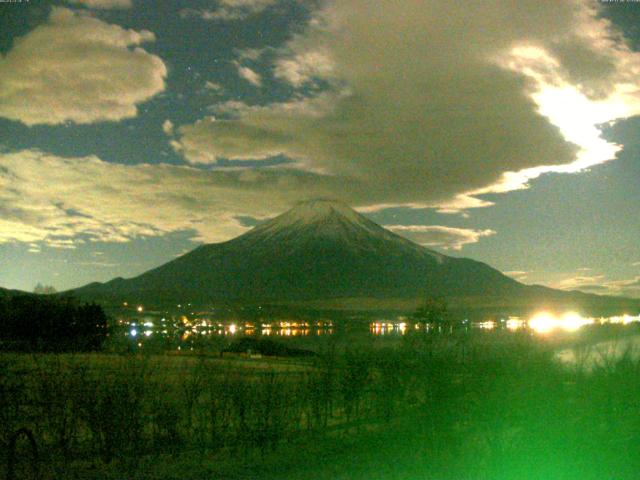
182, 331
540, 323
601, 354
283, 329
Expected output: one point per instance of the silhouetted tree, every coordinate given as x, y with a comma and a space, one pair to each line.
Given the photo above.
41, 289
49, 323
433, 312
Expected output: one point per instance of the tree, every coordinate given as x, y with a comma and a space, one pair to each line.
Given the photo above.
433, 312
41, 289
51, 323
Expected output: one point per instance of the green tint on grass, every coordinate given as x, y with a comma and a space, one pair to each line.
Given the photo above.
436, 407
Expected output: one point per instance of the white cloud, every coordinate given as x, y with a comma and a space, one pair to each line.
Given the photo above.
627, 287
600, 284
104, 4
440, 236
64, 201
60, 202
216, 87
441, 101
63, 243
303, 67
99, 264
251, 54
78, 68
519, 275
249, 75
578, 282
167, 127
228, 10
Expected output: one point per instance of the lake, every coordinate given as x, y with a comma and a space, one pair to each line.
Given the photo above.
154, 330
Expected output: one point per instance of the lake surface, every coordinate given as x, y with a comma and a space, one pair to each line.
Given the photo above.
601, 354
158, 331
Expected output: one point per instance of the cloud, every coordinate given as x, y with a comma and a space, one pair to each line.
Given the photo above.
303, 67
249, 75
626, 287
167, 127
579, 282
61, 202
228, 10
80, 69
433, 103
440, 236
104, 4
602, 285
99, 264
517, 274
251, 54
216, 87
634, 282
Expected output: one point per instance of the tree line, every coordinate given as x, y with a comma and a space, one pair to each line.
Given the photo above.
48, 323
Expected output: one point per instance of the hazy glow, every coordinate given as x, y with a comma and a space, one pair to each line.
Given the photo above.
567, 107
625, 319
545, 322
542, 322
514, 324
578, 117
571, 321
488, 325
381, 327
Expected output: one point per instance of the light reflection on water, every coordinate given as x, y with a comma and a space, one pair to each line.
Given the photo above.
185, 331
545, 322
539, 323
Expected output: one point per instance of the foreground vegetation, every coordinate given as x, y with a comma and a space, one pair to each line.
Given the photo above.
435, 406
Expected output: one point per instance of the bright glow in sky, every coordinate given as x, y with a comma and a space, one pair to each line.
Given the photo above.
578, 117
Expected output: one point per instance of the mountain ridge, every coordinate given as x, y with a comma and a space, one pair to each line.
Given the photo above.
320, 250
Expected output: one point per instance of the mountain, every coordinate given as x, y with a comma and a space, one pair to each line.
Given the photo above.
320, 253
6, 293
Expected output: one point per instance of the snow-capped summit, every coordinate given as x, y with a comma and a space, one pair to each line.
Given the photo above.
310, 211
320, 219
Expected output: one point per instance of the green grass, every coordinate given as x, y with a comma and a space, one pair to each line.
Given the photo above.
432, 407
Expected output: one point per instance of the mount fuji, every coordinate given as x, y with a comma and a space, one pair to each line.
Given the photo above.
321, 253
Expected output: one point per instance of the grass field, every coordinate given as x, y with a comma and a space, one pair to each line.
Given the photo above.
432, 407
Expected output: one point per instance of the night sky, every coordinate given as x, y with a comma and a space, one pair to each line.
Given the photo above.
133, 130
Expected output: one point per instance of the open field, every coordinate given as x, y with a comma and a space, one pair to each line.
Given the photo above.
434, 406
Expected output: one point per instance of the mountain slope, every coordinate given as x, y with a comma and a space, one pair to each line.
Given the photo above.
6, 293
319, 250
